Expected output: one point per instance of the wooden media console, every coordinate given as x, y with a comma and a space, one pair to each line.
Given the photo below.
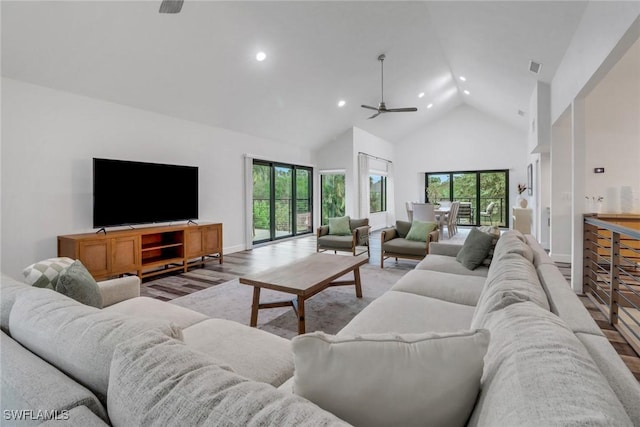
145, 251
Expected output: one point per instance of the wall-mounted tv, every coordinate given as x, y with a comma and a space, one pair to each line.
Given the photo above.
126, 193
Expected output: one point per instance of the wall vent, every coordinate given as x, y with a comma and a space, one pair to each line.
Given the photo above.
535, 67
521, 113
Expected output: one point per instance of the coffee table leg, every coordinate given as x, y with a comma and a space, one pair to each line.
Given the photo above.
255, 306
356, 274
301, 326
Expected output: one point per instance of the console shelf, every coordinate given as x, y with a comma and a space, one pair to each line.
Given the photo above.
146, 251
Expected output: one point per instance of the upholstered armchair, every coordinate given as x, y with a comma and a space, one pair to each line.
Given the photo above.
394, 243
358, 236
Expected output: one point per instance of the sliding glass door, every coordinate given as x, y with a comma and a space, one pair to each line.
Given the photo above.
483, 195
282, 202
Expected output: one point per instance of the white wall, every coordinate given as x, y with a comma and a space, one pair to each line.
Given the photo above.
603, 26
465, 139
50, 137
613, 136
561, 196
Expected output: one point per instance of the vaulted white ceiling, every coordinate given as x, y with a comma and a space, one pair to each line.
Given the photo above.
200, 65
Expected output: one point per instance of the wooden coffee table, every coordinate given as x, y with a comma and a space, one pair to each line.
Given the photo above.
304, 278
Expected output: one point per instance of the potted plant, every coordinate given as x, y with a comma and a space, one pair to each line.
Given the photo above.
433, 194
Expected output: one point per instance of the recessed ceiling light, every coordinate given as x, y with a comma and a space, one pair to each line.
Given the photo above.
341, 103
463, 78
429, 106
421, 94
466, 92
261, 56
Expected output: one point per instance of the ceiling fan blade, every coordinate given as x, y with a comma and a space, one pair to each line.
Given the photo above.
171, 6
401, 110
374, 116
369, 107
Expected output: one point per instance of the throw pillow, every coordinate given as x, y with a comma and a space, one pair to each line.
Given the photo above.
390, 379
494, 230
339, 226
44, 274
419, 230
475, 249
76, 282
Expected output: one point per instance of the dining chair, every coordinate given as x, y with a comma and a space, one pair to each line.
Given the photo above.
452, 219
488, 213
409, 207
424, 212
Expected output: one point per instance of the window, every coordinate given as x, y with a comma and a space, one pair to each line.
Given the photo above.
332, 195
281, 200
377, 193
484, 195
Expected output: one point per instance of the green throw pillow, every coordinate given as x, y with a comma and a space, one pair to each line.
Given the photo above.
419, 230
76, 282
339, 226
475, 249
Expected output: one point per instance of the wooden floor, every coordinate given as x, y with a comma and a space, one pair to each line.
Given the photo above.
262, 258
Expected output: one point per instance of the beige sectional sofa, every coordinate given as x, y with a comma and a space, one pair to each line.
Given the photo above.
546, 363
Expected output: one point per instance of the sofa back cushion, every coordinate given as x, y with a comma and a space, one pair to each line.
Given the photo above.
512, 242
357, 222
9, 291
509, 274
156, 380
403, 227
77, 339
538, 373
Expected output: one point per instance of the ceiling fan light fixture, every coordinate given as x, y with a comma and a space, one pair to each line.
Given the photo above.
382, 108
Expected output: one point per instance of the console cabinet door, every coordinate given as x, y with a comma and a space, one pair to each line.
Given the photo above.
125, 252
194, 246
212, 239
96, 256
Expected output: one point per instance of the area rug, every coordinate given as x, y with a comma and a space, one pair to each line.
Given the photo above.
328, 311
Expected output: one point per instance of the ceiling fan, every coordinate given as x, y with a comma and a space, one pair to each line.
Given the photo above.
171, 6
382, 108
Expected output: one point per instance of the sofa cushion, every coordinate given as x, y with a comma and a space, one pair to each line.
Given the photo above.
76, 282
511, 243
339, 226
403, 227
77, 339
331, 241
540, 256
30, 383
78, 416
45, 273
448, 264
403, 313
511, 274
405, 247
251, 352
538, 373
475, 249
419, 230
176, 385
444, 286
9, 291
420, 379
151, 308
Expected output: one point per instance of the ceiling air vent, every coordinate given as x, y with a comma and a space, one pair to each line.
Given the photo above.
521, 113
535, 67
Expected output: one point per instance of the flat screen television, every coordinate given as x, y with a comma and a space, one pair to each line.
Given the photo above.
127, 193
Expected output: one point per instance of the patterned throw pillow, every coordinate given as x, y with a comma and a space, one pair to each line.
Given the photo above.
494, 230
44, 274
